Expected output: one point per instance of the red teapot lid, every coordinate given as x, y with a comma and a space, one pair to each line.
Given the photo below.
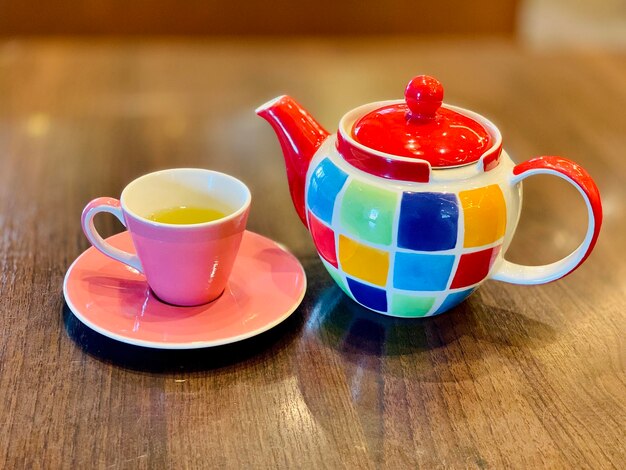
421, 128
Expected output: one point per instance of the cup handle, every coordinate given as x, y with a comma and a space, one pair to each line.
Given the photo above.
112, 206
580, 179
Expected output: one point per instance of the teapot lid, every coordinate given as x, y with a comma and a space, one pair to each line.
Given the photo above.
421, 128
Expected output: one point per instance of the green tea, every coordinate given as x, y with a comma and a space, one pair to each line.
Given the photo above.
183, 215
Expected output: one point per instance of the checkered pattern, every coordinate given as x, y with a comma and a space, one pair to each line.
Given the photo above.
403, 253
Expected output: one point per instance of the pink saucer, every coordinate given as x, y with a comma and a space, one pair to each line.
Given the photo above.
266, 285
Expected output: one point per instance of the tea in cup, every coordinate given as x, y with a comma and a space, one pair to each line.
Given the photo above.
185, 215
186, 225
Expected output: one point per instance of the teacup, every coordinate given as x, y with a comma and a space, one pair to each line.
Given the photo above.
184, 264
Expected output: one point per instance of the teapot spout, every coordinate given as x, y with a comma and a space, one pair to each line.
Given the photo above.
300, 135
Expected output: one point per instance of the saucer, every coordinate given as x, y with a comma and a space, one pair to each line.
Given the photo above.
265, 287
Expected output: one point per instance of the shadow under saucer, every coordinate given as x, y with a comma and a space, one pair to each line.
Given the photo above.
255, 349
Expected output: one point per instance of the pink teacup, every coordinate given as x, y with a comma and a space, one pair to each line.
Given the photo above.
183, 264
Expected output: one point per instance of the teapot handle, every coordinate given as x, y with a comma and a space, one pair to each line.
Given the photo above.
580, 179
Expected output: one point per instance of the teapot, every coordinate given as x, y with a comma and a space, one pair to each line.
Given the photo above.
413, 203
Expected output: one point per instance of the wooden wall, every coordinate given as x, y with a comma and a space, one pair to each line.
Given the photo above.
255, 17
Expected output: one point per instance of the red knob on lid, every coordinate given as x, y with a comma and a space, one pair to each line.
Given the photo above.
423, 96
422, 127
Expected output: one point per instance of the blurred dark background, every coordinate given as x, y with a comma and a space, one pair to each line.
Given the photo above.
255, 17
540, 22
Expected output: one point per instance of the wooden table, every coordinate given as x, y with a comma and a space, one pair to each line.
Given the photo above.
516, 377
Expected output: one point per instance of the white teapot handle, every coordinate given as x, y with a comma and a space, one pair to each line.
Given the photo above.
580, 179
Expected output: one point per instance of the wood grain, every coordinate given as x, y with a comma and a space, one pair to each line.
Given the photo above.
515, 377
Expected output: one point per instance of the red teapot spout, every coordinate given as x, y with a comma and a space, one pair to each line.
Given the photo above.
300, 135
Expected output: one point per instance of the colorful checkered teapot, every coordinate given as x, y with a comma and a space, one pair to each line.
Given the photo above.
413, 203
